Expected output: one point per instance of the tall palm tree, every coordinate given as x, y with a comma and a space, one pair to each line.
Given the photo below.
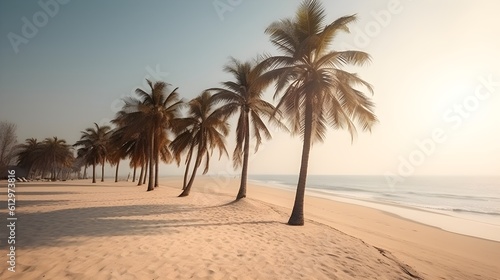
313, 91
244, 96
94, 142
151, 115
207, 128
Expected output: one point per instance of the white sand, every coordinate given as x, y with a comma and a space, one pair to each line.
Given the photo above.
76, 230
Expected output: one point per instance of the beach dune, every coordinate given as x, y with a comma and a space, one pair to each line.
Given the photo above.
76, 230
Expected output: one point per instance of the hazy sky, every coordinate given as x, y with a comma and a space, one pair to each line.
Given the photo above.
435, 70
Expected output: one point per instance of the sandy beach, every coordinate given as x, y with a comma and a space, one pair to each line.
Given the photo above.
76, 230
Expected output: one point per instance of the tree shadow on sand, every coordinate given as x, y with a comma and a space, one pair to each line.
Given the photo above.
59, 227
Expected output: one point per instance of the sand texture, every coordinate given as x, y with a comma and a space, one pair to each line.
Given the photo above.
76, 230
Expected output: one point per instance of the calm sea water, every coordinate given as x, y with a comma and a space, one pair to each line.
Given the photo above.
473, 198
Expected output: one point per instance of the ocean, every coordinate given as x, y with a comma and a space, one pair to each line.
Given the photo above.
466, 205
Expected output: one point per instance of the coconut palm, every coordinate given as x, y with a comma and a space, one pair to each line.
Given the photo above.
94, 143
151, 114
204, 128
243, 96
313, 91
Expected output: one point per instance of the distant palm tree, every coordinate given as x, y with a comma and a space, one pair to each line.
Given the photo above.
81, 156
94, 142
132, 141
314, 92
27, 155
54, 154
138, 156
114, 158
243, 96
118, 148
151, 115
204, 128
184, 142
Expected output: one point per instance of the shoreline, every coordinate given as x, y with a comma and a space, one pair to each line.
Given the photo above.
444, 221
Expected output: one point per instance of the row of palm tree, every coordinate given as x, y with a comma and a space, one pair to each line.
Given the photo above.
52, 157
312, 90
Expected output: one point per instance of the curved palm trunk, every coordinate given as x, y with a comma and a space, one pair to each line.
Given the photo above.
297, 217
141, 175
187, 190
244, 170
151, 163
116, 172
102, 170
190, 156
93, 173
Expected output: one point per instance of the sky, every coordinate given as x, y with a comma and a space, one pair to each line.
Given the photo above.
435, 71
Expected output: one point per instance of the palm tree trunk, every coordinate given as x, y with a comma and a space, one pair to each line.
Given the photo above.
151, 163
297, 217
59, 174
85, 172
102, 169
53, 168
187, 190
93, 172
116, 172
145, 172
133, 176
141, 175
190, 156
244, 170
157, 160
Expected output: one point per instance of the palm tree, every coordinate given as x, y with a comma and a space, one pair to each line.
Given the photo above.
151, 115
244, 96
94, 143
205, 128
314, 92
